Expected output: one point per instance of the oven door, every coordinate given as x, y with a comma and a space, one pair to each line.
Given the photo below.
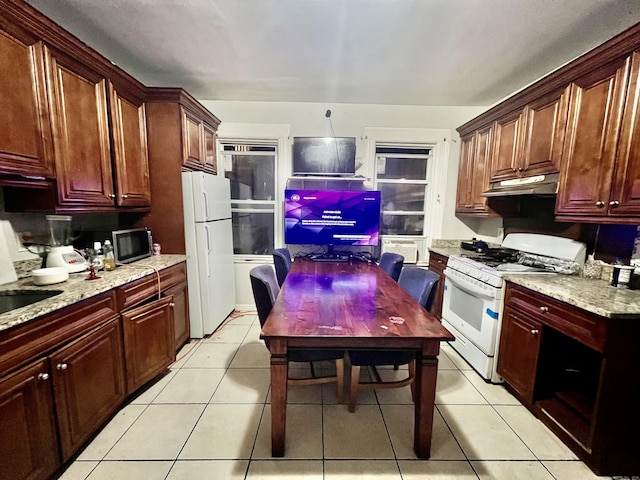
473, 308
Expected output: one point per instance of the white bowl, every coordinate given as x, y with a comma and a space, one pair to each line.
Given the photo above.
49, 275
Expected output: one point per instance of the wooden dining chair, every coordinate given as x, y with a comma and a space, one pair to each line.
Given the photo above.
265, 291
420, 283
392, 264
282, 262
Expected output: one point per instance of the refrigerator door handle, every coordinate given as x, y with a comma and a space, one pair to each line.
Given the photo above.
206, 229
206, 205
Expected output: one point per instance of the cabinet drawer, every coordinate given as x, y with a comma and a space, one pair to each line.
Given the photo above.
578, 324
41, 335
139, 291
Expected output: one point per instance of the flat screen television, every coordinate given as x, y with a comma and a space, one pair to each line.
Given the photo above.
331, 217
335, 156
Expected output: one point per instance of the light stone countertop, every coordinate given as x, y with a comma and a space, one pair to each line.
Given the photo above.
595, 296
77, 288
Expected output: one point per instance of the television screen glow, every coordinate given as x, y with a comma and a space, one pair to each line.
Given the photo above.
332, 217
324, 155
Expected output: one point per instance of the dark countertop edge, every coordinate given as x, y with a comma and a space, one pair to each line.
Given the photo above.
77, 288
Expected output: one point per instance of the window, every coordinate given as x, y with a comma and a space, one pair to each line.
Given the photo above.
402, 175
251, 169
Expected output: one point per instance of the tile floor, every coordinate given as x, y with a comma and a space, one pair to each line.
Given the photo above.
209, 417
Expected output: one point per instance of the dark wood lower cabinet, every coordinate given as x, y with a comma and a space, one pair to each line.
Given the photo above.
149, 341
182, 326
577, 372
28, 445
88, 383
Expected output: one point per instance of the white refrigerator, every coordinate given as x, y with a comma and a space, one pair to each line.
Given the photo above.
209, 243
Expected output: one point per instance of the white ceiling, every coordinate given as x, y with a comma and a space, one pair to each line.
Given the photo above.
397, 52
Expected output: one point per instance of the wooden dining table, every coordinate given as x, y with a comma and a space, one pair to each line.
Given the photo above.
335, 305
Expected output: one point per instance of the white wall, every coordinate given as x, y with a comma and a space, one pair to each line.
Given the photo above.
351, 120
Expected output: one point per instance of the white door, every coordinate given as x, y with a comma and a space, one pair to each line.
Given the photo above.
211, 197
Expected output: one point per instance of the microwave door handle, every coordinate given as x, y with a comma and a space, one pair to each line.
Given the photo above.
470, 289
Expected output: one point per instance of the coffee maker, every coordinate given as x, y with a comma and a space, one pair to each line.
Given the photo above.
61, 253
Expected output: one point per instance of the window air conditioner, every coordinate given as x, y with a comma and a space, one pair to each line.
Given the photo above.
407, 248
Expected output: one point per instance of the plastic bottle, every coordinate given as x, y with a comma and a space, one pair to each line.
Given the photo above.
97, 259
109, 258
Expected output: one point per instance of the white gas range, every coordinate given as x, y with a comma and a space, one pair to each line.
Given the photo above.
474, 286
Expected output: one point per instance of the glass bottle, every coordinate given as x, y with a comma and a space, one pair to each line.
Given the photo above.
109, 258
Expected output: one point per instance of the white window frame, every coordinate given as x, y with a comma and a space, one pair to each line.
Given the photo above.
267, 134
440, 142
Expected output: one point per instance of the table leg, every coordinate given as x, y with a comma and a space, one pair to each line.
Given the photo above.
279, 374
425, 391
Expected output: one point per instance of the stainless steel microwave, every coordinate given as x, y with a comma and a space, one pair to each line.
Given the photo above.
132, 244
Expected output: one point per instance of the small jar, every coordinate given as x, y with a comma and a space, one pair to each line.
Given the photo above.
156, 248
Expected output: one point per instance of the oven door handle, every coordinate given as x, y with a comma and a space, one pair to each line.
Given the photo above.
469, 288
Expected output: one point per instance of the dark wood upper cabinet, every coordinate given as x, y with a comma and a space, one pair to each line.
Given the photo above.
595, 113
506, 161
26, 145
473, 174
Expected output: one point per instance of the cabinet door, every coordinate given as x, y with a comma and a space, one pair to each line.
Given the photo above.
89, 384
180, 307
506, 161
465, 174
26, 146
149, 341
472, 173
210, 149
595, 110
519, 351
625, 194
192, 131
131, 160
28, 445
437, 264
546, 121
83, 158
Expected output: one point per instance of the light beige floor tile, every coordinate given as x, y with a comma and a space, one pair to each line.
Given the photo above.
252, 355
544, 444
455, 357
445, 362
229, 333
243, 317
130, 470
436, 470
209, 469
303, 437
159, 433
212, 355
285, 470
505, 470
453, 388
253, 334
78, 470
399, 422
483, 434
152, 391
563, 470
112, 432
361, 469
185, 353
243, 385
361, 434
224, 432
302, 394
394, 396
191, 385
495, 394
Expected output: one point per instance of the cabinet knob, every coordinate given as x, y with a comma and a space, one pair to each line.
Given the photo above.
112, 195
614, 203
43, 376
599, 204
125, 196
535, 331
544, 309
172, 304
62, 366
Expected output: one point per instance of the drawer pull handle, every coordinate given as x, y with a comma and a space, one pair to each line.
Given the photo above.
535, 331
544, 309
62, 366
43, 376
